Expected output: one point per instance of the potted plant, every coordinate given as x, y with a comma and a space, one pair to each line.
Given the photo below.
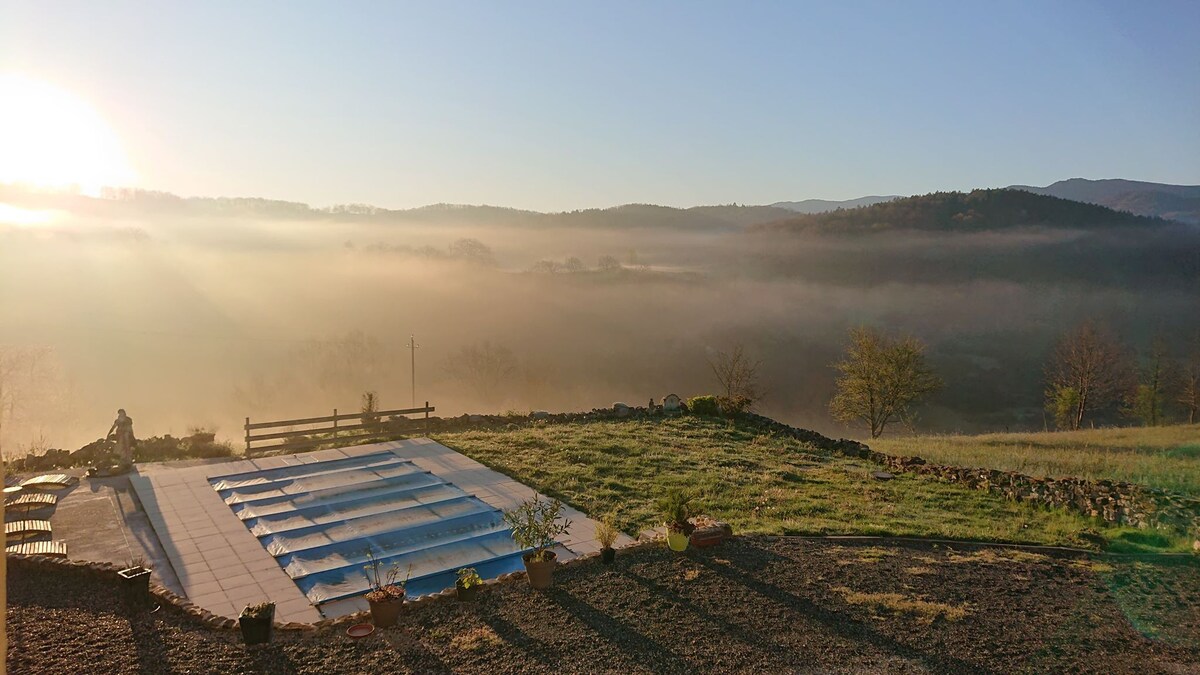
135, 583
257, 623
386, 596
535, 525
606, 534
676, 507
468, 584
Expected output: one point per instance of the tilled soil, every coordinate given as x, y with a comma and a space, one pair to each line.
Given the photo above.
752, 604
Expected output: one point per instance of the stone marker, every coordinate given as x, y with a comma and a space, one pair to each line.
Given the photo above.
882, 475
671, 403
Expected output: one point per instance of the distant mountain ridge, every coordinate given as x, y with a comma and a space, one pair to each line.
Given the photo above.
1163, 200
975, 211
131, 201
823, 205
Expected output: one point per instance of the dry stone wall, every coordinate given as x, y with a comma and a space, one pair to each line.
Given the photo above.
1112, 501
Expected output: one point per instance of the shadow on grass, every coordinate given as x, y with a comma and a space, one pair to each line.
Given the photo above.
147, 640
1140, 541
838, 623
641, 648
751, 639
516, 637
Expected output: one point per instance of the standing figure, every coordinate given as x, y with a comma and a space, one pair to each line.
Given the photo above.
123, 426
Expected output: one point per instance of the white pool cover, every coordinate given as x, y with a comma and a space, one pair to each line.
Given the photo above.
319, 520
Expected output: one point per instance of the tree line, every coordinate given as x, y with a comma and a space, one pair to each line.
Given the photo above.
1091, 372
883, 379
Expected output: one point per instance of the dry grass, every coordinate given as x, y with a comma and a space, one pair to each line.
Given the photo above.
923, 610
476, 639
1166, 457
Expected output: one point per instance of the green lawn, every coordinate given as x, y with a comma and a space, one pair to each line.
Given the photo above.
759, 483
1165, 457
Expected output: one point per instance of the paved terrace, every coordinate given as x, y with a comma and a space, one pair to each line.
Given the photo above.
222, 567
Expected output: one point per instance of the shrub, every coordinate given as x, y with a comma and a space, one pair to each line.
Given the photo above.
732, 405
704, 405
676, 506
385, 585
535, 524
606, 532
260, 611
468, 577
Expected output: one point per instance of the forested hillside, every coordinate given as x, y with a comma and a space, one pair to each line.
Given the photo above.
975, 211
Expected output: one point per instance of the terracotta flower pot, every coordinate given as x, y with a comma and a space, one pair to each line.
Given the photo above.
541, 574
607, 555
384, 614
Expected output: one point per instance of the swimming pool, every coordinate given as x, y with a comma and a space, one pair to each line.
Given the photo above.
319, 519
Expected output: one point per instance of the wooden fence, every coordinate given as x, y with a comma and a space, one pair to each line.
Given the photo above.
370, 425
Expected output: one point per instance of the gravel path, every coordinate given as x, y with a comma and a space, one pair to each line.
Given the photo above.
753, 604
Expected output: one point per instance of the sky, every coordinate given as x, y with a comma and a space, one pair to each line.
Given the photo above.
558, 106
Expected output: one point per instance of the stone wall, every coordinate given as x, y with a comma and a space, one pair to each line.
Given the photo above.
108, 571
1112, 501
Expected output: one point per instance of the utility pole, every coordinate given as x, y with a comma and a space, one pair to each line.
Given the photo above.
412, 347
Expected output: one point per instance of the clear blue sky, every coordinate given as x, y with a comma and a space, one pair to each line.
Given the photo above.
563, 105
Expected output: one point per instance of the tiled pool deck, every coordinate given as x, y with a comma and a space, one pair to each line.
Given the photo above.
223, 567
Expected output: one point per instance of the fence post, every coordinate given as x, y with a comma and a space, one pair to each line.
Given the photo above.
247, 436
335, 423
426, 418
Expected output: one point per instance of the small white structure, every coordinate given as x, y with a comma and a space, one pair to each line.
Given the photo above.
671, 403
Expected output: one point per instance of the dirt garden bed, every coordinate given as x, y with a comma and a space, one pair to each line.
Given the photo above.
751, 604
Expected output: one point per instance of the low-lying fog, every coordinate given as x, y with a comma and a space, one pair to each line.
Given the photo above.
190, 321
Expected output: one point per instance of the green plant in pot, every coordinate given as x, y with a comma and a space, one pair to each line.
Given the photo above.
535, 525
468, 583
386, 596
606, 534
676, 509
135, 583
257, 623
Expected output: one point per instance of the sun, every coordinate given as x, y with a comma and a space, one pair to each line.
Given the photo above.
50, 138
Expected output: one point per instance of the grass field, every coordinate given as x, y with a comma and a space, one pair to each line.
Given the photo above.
1165, 457
761, 484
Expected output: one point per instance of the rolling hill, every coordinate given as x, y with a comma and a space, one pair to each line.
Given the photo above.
975, 211
823, 205
1173, 202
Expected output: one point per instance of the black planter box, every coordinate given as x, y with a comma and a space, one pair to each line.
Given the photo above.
257, 631
607, 555
135, 586
466, 594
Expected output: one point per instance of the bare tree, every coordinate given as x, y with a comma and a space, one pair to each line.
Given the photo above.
738, 375
1088, 371
484, 367
608, 263
545, 267
473, 250
32, 391
881, 379
1149, 396
329, 371
1187, 389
